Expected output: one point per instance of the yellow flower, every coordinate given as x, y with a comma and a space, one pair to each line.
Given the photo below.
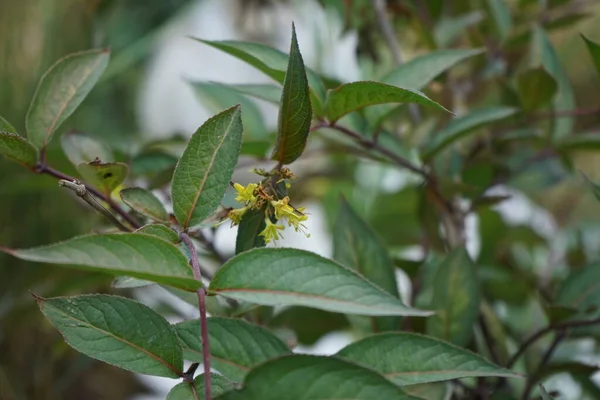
294, 217
245, 194
271, 231
236, 215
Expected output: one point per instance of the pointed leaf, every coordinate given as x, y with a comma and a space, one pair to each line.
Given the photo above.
500, 13
581, 291
463, 125
456, 296
536, 88
419, 72
144, 202
5, 126
586, 141
565, 98
303, 377
295, 113
132, 254
82, 148
263, 91
594, 50
355, 245
236, 346
61, 90
356, 95
272, 276
252, 224
118, 331
408, 359
204, 170
18, 149
218, 385
105, 176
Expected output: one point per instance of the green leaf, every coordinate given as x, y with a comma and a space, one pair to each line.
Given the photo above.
303, 377
236, 346
594, 49
127, 282
429, 391
502, 18
271, 62
544, 393
263, 91
132, 254
585, 142
308, 324
295, 112
204, 170
144, 202
82, 148
161, 231
408, 359
5, 126
463, 125
217, 97
253, 223
581, 291
456, 297
18, 149
60, 91
105, 176
272, 276
536, 88
356, 245
218, 385
448, 29
565, 98
356, 95
419, 72
117, 331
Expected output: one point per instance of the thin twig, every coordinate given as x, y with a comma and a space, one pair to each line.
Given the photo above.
202, 308
560, 335
189, 374
45, 169
488, 340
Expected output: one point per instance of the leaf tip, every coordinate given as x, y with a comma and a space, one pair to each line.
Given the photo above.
39, 299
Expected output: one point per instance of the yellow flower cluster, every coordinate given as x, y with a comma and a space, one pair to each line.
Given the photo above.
253, 196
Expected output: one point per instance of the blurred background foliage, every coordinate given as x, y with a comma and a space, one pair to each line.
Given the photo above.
36, 364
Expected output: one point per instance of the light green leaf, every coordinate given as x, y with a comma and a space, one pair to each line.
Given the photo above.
5, 126
144, 202
408, 359
263, 91
218, 385
82, 148
456, 296
105, 176
502, 18
356, 245
203, 172
127, 282
236, 346
272, 276
306, 377
594, 49
61, 90
356, 95
253, 223
132, 254
295, 112
447, 30
544, 393
117, 331
545, 55
463, 125
536, 88
161, 231
419, 72
18, 149
217, 97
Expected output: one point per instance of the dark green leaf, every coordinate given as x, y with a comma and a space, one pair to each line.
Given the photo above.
309, 324
204, 170
408, 358
356, 95
236, 346
463, 125
456, 297
131, 254
586, 141
295, 113
144, 202
536, 88
82, 148
594, 49
127, 282
502, 18
5, 126
263, 91
60, 91
161, 231
581, 291
18, 149
356, 245
218, 385
118, 331
304, 377
272, 276
253, 223
105, 176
